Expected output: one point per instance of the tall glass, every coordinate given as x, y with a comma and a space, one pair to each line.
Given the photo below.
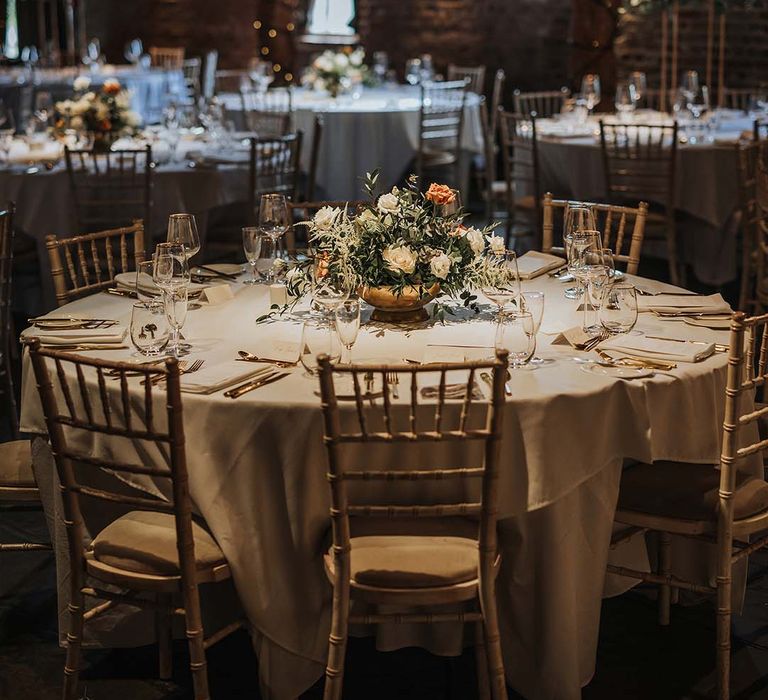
594, 274
171, 266
347, 317
182, 228
590, 90
501, 279
638, 86
252, 244
515, 333
273, 220
329, 284
624, 102
577, 217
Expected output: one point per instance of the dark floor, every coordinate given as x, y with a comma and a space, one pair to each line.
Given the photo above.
636, 660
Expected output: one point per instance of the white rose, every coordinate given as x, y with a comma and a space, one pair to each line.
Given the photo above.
325, 218
440, 265
388, 204
366, 217
88, 97
400, 259
341, 60
76, 122
497, 244
476, 241
356, 57
81, 83
324, 63
132, 118
123, 99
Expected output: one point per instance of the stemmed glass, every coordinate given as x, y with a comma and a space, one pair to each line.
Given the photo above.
330, 286
624, 102
515, 333
171, 273
182, 228
316, 339
618, 308
638, 86
590, 90
176, 307
133, 50
594, 273
347, 316
689, 84
413, 71
273, 221
533, 303
252, 241
501, 279
577, 217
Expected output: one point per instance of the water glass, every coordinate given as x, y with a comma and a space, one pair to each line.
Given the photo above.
150, 331
175, 302
318, 338
638, 86
533, 303
171, 267
501, 278
329, 284
576, 217
347, 317
618, 308
273, 220
182, 228
595, 276
253, 239
515, 333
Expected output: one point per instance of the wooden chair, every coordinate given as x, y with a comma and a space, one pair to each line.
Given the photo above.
699, 501
520, 190
303, 211
475, 75
168, 57
268, 114
542, 104
274, 168
156, 551
623, 228
192, 69
110, 189
18, 489
413, 570
497, 94
639, 162
122, 249
441, 118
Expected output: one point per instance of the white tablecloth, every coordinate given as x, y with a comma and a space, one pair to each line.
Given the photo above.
257, 474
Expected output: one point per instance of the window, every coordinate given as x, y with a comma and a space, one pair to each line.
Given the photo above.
11, 31
331, 17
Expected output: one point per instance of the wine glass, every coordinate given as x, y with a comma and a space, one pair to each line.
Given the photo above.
577, 217
182, 228
171, 267
515, 333
317, 338
133, 50
252, 244
413, 71
273, 220
329, 284
624, 102
594, 273
347, 317
533, 303
618, 308
638, 86
689, 84
176, 306
590, 90
150, 331
501, 279
144, 271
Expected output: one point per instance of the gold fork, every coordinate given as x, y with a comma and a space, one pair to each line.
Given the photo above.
194, 367
393, 380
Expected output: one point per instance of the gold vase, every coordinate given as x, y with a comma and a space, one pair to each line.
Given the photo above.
406, 307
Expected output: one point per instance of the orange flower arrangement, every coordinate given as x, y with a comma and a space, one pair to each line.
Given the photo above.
440, 194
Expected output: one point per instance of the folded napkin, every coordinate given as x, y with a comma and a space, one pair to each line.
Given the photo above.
452, 391
682, 304
214, 377
21, 154
652, 349
95, 336
533, 264
127, 281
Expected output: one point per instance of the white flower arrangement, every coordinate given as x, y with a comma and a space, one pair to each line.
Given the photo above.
106, 112
335, 72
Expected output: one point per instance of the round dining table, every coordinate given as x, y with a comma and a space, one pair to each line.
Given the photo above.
707, 183
257, 469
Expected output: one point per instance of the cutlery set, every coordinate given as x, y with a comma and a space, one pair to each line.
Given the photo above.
264, 377
56, 323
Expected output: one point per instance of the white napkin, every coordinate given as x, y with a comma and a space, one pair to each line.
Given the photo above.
127, 281
285, 346
21, 154
533, 264
214, 377
682, 303
96, 336
652, 349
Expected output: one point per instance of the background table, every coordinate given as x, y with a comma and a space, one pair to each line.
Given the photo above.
257, 474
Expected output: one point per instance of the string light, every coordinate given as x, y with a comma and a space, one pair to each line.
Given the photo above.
277, 68
272, 33
288, 77
257, 24
290, 26
264, 50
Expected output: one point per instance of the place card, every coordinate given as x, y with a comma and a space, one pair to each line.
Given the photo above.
434, 354
217, 294
278, 295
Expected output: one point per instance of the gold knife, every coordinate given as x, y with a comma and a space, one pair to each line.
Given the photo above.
250, 386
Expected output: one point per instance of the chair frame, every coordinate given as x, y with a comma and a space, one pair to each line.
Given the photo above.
476, 75
541, 104
723, 530
85, 245
168, 57
612, 213
629, 165
171, 443
480, 591
264, 167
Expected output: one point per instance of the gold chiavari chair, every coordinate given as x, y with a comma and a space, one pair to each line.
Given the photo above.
304, 211
17, 482
169, 57
639, 163
192, 69
156, 551
110, 189
475, 74
542, 104
274, 168
521, 187
623, 228
724, 506
269, 113
441, 119
414, 570
77, 266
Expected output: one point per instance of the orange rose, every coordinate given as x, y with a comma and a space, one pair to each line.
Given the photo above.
106, 125
440, 194
111, 87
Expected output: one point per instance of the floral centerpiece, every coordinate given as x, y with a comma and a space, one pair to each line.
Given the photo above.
105, 113
336, 72
401, 251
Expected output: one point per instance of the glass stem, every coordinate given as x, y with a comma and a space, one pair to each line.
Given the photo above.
253, 272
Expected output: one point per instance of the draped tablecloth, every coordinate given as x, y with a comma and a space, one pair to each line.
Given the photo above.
257, 474
379, 129
707, 189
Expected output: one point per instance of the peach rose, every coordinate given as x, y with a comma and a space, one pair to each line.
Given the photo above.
440, 194
111, 87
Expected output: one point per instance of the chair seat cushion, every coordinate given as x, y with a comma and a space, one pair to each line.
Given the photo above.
16, 464
412, 561
145, 542
687, 491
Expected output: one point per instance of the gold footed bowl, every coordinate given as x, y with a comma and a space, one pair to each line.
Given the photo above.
406, 307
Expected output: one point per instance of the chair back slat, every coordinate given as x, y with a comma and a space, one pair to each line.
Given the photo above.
541, 104
274, 167
86, 249
752, 159
475, 75
268, 113
168, 57
612, 219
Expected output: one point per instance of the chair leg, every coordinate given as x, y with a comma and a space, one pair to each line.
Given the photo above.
492, 640
483, 686
164, 633
74, 640
665, 590
724, 583
197, 663
337, 640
